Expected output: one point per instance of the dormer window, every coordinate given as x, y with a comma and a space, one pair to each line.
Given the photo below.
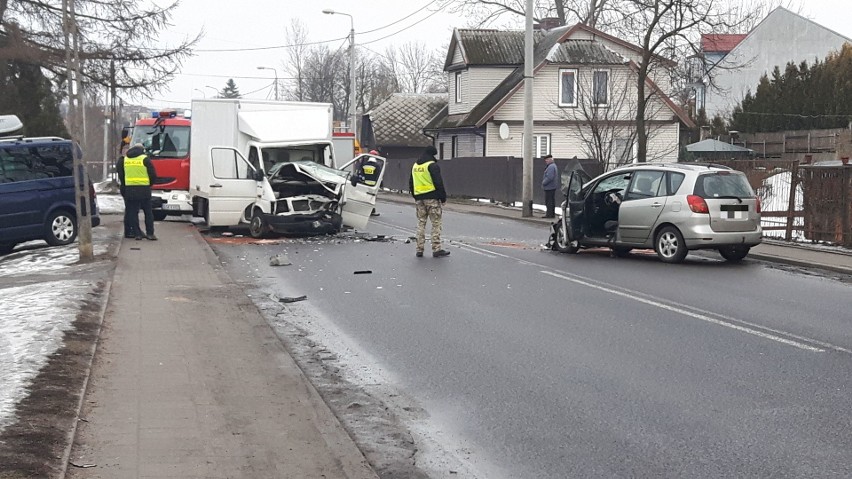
458, 86
568, 87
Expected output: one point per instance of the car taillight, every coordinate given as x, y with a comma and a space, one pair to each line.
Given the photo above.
757, 204
697, 204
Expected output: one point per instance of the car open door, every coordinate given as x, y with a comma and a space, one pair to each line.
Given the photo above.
233, 186
576, 198
359, 198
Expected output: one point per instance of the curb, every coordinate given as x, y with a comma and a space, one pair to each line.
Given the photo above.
800, 263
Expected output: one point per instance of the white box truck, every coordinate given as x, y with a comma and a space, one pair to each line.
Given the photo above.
270, 165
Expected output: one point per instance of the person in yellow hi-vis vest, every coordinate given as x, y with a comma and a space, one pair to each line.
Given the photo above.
136, 174
427, 187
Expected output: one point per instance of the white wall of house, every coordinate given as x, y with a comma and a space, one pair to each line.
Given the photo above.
780, 38
477, 82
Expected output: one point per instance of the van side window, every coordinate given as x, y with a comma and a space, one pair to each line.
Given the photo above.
26, 162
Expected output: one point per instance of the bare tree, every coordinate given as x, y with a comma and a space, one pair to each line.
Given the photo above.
418, 68
294, 65
595, 13
118, 30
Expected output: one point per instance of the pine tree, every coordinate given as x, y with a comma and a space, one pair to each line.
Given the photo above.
230, 90
27, 93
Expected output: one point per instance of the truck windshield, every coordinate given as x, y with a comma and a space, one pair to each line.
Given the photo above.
291, 154
163, 141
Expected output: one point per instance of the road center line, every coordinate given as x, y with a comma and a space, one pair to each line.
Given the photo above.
685, 312
690, 311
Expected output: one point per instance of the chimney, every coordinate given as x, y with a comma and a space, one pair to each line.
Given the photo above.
548, 23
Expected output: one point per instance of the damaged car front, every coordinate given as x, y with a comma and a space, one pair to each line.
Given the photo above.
307, 200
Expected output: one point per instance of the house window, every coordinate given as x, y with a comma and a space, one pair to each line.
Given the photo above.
441, 151
541, 145
458, 85
567, 87
600, 87
454, 151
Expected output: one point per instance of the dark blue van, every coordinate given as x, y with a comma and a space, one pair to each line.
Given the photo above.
37, 192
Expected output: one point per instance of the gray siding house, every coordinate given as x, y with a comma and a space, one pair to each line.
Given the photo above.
782, 37
585, 82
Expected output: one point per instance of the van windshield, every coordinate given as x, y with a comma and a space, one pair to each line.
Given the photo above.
292, 154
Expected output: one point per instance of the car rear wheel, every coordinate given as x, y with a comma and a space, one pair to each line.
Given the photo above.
670, 246
563, 244
60, 228
734, 253
258, 227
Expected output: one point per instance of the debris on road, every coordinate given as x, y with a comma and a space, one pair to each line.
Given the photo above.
366, 271
279, 260
292, 299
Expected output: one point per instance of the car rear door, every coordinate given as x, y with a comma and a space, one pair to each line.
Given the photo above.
730, 200
642, 204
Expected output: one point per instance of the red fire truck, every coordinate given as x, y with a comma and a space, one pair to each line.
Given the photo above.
165, 136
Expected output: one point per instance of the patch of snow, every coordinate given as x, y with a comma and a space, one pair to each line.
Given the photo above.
34, 320
774, 196
110, 204
36, 257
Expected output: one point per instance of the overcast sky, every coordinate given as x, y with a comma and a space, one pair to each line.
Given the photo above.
262, 23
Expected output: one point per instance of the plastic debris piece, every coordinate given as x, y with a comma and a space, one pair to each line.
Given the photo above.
292, 299
279, 260
83, 466
365, 271
227, 234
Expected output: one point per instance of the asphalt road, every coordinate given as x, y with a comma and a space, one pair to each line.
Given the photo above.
541, 365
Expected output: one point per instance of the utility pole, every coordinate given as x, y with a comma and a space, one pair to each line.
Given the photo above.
81, 178
527, 187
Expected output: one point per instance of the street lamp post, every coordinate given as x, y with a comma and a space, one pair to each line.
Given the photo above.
200, 91
214, 89
352, 96
276, 79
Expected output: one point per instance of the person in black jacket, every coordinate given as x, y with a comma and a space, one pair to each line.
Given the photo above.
136, 174
427, 187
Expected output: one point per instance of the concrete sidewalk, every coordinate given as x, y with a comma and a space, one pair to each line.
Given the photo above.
831, 259
190, 381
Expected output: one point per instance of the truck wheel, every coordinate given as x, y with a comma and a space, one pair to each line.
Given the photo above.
159, 215
60, 228
258, 227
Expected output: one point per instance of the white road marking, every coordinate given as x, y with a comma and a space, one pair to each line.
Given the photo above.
686, 312
778, 336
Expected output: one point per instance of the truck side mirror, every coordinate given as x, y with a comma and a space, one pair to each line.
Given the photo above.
258, 175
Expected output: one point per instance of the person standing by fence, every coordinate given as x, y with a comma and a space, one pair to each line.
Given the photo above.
427, 188
550, 183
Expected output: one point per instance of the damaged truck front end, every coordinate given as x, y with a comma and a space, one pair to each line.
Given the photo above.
307, 201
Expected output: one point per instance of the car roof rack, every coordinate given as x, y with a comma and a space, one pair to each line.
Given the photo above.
33, 139
709, 165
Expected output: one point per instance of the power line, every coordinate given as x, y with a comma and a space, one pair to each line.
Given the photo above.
276, 47
401, 19
794, 115
402, 30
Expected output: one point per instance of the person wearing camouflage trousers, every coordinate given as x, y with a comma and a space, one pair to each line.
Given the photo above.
427, 187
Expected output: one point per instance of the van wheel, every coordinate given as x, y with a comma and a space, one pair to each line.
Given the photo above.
6, 248
258, 227
734, 254
670, 246
563, 244
60, 228
159, 215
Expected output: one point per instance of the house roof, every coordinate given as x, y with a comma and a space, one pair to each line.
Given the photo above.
721, 43
715, 146
489, 47
399, 120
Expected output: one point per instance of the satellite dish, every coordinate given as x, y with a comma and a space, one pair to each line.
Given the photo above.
504, 131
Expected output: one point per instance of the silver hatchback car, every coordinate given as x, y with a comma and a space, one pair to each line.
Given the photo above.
671, 208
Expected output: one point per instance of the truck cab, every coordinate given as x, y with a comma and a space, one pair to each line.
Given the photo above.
165, 135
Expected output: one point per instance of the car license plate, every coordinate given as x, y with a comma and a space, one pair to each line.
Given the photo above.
171, 207
734, 212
